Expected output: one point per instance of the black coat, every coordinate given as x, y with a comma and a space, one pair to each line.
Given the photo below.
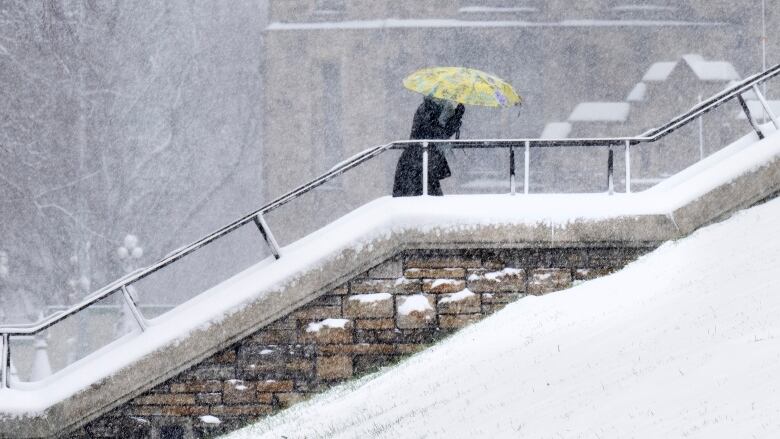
408, 172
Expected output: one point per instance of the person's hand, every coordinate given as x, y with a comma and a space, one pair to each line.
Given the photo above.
459, 110
453, 123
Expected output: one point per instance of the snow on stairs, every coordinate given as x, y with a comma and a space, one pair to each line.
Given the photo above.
276, 333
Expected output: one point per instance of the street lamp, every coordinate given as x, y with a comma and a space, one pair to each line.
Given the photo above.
130, 252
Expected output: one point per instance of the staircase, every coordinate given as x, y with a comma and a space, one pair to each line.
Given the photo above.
441, 246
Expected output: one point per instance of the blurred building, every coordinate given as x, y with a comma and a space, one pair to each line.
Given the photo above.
666, 89
333, 76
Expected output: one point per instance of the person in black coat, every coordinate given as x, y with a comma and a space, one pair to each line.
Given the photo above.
434, 119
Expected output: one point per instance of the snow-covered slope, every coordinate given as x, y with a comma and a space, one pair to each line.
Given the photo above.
684, 342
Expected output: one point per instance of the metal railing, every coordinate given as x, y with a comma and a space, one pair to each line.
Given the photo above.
257, 217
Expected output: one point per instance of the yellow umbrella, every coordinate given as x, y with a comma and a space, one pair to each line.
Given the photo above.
460, 84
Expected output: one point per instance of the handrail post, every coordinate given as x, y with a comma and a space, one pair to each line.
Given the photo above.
750, 117
511, 170
130, 302
425, 168
527, 176
628, 166
765, 104
262, 226
5, 358
610, 177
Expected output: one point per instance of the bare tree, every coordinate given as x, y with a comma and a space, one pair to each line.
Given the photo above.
117, 119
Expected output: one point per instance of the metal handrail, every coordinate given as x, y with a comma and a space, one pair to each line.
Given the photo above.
652, 135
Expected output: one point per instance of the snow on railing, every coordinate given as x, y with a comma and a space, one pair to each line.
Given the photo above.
122, 284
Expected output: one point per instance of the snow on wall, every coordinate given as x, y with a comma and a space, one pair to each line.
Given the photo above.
327, 324
415, 303
371, 298
457, 297
681, 343
496, 276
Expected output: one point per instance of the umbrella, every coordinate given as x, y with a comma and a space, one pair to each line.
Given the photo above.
464, 85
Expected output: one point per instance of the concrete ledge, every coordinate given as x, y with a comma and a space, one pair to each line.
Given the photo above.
378, 239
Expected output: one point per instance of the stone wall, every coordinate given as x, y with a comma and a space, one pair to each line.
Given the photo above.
386, 313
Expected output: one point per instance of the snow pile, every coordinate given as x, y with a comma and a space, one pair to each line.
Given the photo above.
327, 324
208, 419
440, 282
682, 343
416, 303
457, 297
496, 276
371, 298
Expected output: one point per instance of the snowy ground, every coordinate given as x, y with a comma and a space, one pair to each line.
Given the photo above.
682, 343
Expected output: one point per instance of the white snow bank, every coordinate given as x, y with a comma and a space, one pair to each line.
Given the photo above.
415, 303
682, 343
375, 220
327, 324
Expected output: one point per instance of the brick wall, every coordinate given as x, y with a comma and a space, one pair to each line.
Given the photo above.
382, 315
